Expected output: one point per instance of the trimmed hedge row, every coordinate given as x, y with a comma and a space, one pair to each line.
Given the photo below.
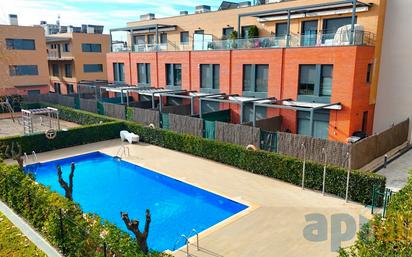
82, 232
272, 165
73, 137
69, 114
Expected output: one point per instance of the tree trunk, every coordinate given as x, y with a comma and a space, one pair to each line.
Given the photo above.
141, 238
68, 188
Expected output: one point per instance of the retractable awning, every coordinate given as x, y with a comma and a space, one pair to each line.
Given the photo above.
147, 28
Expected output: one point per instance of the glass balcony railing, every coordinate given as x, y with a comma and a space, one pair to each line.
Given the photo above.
357, 38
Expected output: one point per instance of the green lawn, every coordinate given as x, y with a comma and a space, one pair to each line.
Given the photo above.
13, 243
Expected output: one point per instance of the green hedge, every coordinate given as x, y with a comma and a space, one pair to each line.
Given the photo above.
73, 137
82, 232
390, 236
272, 165
72, 115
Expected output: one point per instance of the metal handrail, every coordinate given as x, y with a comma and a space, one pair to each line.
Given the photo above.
123, 151
26, 159
197, 237
35, 157
186, 241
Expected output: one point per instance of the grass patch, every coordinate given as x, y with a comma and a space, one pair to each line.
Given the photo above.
13, 243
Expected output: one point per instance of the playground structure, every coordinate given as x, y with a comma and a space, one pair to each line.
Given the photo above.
7, 108
32, 117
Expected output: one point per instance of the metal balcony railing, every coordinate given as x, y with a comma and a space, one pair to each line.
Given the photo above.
314, 39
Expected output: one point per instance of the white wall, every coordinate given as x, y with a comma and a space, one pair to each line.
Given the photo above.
394, 99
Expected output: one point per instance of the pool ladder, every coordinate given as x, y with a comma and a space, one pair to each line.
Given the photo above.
34, 158
187, 242
123, 151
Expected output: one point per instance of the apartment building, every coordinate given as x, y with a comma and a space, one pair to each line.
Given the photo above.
311, 52
75, 57
23, 59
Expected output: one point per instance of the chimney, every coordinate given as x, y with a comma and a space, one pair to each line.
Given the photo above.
245, 4
183, 13
13, 19
202, 8
147, 16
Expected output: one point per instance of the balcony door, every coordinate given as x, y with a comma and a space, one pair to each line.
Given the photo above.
309, 33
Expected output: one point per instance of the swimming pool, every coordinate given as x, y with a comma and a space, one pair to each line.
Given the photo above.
106, 186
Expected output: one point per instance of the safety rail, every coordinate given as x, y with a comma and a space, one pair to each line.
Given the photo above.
122, 152
187, 241
34, 159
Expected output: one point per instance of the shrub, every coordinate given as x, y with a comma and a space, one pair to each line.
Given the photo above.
82, 232
389, 236
272, 165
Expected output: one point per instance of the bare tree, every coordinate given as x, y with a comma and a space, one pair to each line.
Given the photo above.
133, 225
14, 151
68, 188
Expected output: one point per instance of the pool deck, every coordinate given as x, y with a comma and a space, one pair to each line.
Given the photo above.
272, 226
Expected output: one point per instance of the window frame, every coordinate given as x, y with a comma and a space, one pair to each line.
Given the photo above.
212, 86
224, 36
277, 25
147, 81
253, 81
181, 37
369, 73
70, 88
17, 70
170, 69
55, 70
92, 65
68, 74
12, 45
118, 73
316, 97
90, 48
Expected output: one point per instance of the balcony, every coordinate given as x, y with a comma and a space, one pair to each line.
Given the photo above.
56, 55
320, 39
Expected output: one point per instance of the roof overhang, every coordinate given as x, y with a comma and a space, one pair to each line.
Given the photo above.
147, 28
331, 8
57, 39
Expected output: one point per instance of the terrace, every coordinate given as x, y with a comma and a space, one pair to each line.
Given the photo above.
349, 34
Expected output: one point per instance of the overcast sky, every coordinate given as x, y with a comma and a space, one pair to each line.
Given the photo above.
110, 13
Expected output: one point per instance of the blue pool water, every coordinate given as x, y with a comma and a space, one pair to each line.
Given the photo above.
106, 186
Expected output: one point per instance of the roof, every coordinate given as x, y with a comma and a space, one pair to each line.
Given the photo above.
57, 39
146, 27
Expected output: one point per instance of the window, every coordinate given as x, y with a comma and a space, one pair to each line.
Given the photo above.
226, 32
95, 48
70, 89
66, 47
326, 80
281, 29
174, 75
255, 79
23, 70
248, 112
150, 39
209, 77
320, 124
33, 92
330, 26
68, 70
57, 88
20, 44
118, 72
315, 80
200, 31
55, 70
369, 74
365, 121
184, 37
163, 38
245, 31
143, 74
309, 33
139, 40
88, 68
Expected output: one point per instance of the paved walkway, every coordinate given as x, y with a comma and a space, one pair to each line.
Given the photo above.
273, 226
30, 233
397, 172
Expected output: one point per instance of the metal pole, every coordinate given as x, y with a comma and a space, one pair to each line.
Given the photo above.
324, 172
254, 114
192, 106
121, 96
200, 107
241, 113
288, 30
348, 176
58, 120
238, 26
304, 166
111, 42
353, 22
127, 98
311, 123
160, 103
153, 101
